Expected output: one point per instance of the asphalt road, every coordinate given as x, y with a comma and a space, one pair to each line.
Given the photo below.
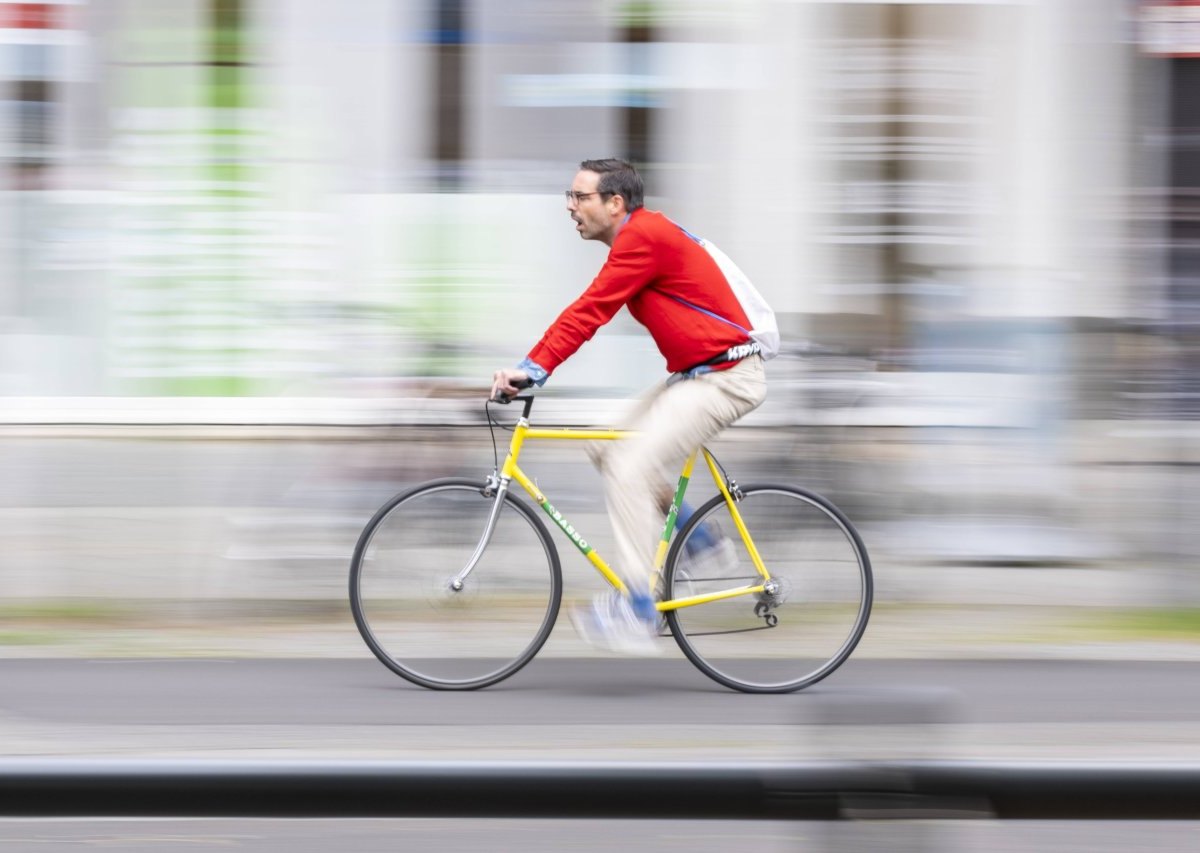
595, 709
562, 694
592, 836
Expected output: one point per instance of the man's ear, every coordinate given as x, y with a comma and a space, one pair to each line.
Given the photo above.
621, 198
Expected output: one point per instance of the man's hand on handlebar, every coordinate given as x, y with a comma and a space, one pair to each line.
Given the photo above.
508, 382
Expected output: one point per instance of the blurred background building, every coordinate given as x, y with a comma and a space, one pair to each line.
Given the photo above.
231, 197
977, 220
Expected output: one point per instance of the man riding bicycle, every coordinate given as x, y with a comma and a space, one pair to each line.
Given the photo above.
673, 286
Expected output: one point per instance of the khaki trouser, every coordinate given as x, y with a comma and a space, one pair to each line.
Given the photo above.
671, 420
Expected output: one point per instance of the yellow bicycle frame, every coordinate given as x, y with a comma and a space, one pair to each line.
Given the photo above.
512, 471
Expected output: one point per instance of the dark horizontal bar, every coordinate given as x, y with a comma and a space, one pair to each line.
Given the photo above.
807, 791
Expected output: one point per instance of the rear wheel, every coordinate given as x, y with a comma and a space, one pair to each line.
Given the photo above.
414, 619
815, 610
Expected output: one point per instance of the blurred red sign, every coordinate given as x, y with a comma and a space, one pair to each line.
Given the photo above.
30, 16
1170, 28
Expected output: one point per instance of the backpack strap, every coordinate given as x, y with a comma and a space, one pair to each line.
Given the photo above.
744, 331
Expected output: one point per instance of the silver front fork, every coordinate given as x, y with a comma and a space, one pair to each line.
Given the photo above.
500, 487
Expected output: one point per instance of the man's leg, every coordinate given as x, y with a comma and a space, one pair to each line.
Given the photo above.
673, 421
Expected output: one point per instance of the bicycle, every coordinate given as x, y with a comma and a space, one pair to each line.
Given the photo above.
772, 612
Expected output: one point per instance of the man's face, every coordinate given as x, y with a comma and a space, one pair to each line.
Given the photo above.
596, 217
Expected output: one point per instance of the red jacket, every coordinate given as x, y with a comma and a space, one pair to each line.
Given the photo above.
652, 264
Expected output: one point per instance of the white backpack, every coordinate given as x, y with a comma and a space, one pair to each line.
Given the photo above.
764, 330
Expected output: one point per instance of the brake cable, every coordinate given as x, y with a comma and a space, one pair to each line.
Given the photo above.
492, 424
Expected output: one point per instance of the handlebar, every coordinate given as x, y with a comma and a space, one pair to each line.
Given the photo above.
503, 398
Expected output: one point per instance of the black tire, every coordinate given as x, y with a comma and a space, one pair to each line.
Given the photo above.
807, 545
411, 618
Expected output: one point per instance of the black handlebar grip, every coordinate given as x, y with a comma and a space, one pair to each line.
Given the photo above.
501, 397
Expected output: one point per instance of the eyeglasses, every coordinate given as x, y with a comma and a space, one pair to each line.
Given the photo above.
579, 197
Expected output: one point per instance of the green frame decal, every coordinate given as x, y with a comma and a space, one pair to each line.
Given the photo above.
567, 528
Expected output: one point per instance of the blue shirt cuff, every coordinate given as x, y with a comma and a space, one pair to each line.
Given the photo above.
536, 372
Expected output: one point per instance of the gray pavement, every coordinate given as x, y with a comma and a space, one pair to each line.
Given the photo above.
593, 836
600, 709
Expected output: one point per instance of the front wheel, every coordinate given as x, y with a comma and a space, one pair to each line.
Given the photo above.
815, 610
437, 633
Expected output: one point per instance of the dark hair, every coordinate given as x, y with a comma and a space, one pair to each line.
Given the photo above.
618, 178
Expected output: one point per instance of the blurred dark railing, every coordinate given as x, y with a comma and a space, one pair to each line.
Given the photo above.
803, 791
